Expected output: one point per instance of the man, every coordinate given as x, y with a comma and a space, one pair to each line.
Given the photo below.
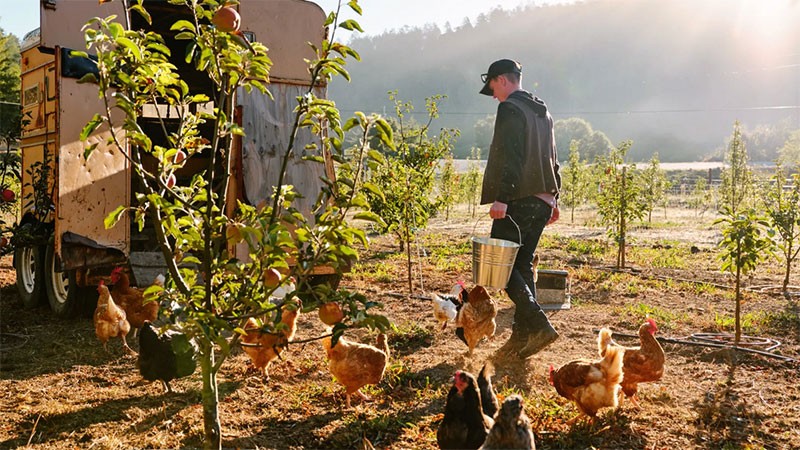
522, 182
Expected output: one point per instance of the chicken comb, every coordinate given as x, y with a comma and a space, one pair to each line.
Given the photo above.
652, 323
116, 270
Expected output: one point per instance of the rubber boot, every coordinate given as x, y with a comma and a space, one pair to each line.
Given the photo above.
543, 334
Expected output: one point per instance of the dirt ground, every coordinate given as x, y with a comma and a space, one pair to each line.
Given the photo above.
61, 390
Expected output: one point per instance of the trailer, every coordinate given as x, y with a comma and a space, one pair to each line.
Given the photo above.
62, 248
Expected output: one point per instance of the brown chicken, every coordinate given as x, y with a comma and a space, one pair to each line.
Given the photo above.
643, 364
356, 365
476, 319
511, 429
591, 384
468, 411
263, 347
132, 299
109, 319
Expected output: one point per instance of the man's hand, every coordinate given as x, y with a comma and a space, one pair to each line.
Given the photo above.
498, 210
554, 216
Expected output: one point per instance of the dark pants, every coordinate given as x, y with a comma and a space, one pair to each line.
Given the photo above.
531, 215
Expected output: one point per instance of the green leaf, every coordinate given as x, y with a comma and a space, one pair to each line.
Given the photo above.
183, 25
91, 127
374, 189
351, 25
142, 12
353, 4
88, 150
131, 46
88, 78
114, 217
385, 132
351, 122
369, 216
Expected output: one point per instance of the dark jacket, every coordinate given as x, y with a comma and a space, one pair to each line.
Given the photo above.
522, 159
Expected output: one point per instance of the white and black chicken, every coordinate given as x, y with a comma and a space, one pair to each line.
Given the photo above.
446, 306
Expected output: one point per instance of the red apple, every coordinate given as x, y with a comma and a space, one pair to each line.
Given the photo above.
179, 157
8, 195
3, 241
171, 180
330, 313
227, 19
272, 278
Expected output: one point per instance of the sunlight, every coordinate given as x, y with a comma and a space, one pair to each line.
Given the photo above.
766, 23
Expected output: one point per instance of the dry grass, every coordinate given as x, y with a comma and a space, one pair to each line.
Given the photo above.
61, 390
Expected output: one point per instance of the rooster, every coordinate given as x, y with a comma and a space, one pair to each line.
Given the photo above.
263, 347
468, 411
591, 384
476, 319
511, 429
165, 357
356, 365
446, 307
642, 364
132, 300
109, 319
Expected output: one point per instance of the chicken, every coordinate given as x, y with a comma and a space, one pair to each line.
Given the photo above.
591, 384
109, 319
511, 429
132, 299
165, 357
467, 420
477, 317
446, 307
641, 364
356, 365
262, 346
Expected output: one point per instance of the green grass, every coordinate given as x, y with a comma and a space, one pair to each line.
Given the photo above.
666, 256
378, 271
637, 313
759, 323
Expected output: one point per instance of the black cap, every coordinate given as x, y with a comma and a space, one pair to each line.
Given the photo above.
499, 67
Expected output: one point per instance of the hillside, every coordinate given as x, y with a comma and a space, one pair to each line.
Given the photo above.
673, 76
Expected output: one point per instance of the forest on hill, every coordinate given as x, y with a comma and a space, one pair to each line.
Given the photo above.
673, 77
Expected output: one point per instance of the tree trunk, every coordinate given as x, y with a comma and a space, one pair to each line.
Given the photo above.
738, 335
211, 423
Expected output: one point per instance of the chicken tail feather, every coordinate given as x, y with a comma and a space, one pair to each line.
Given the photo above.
603, 341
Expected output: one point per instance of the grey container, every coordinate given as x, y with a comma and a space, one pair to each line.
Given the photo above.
492, 261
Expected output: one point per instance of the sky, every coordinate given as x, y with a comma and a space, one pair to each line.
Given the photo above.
21, 16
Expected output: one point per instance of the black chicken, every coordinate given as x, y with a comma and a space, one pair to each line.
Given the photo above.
467, 413
511, 429
165, 357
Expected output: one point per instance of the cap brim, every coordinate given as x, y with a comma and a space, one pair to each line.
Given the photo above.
486, 89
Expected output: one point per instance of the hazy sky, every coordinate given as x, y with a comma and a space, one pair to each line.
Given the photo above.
21, 16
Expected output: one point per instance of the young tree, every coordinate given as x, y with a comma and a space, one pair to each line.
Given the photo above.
471, 182
619, 199
448, 185
737, 179
790, 152
783, 210
701, 196
407, 178
654, 187
576, 181
746, 241
213, 291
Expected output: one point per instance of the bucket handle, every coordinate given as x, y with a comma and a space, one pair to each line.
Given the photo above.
519, 232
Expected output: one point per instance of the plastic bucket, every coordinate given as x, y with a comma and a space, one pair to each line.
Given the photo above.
492, 261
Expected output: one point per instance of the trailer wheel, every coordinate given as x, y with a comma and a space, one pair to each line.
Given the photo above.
29, 265
62, 292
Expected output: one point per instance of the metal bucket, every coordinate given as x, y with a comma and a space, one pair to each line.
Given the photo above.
493, 260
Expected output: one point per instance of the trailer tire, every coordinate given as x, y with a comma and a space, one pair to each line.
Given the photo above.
29, 265
62, 292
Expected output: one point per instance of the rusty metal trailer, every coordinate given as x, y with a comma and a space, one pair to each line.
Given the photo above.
65, 198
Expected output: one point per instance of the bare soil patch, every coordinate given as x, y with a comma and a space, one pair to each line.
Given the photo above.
61, 390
